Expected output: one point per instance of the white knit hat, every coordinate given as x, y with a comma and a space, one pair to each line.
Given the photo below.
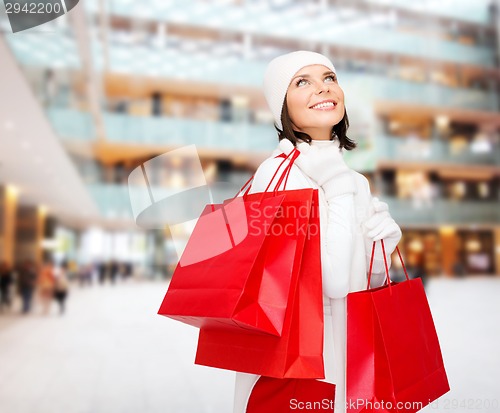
280, 72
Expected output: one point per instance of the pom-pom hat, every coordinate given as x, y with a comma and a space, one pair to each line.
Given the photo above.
281, 71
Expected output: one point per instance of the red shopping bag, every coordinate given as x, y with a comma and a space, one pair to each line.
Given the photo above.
235, 257
394, 360
270, 395
298, 353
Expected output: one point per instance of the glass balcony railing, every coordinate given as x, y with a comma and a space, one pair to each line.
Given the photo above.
443, 212
418, 150
112, 200
474, 12
175, 131
78, 125
426, 93
114, 203
72, 124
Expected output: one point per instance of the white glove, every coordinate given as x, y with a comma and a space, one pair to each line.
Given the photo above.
380, 225
324, 165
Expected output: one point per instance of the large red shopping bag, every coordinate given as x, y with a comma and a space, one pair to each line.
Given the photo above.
270, 395
298, 353
394, 360
239, 264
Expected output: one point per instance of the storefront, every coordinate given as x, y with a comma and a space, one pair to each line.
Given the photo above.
452, 251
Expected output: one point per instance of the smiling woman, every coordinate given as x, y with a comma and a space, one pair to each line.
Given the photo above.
315, 102
311, 90
307, 104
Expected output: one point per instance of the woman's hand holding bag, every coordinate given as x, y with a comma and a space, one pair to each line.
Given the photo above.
380, 225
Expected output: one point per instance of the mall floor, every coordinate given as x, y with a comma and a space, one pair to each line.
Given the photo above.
111, 353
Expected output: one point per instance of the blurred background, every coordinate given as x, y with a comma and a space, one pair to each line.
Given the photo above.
89, 97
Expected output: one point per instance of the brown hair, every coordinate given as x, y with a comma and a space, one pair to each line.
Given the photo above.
339, 130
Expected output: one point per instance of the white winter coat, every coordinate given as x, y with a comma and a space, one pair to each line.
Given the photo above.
336, 219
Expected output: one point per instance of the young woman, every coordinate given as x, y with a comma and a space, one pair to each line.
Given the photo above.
307, 103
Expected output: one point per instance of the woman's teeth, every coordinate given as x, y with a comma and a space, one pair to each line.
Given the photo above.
323, 105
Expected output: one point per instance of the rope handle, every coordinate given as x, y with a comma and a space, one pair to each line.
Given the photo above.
387, 277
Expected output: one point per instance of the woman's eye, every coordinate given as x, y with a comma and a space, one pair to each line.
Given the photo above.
301, 82
330, 78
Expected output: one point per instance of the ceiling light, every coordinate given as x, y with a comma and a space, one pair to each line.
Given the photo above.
442, 121
13, 190
447, 230
416, 245
473, 245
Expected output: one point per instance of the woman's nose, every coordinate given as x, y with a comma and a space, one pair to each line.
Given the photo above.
322, 87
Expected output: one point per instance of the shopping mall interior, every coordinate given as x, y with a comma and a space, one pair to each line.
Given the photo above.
88, 98
116, 109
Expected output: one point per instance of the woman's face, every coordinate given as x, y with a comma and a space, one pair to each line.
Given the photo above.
315, 101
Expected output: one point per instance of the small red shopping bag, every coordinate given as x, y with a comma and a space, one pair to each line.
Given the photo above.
270, 395
298, 352
394, 360
235, 257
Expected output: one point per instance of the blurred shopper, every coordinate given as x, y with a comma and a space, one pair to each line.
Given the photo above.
417, 271
72, 269
46, 283
51, 87
85, 275
26, 280
459, 269
102, 269
61, 285
128, 270
6, 278
114, 269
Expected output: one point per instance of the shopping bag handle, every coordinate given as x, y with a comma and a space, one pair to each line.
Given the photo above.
387, 279
286, 172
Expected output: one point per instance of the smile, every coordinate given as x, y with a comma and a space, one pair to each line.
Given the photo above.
327, 104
